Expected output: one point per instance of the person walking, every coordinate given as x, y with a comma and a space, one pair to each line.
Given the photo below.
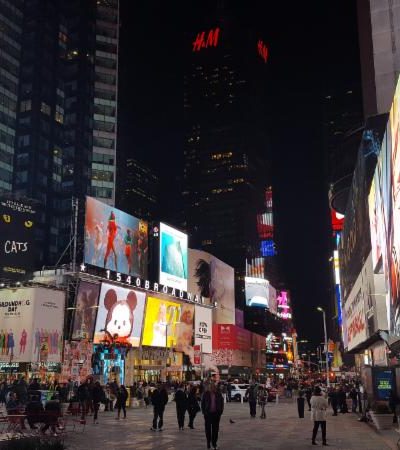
181, 401
159, 399
262, 401
251, 396
122, 397
308, 393
353, 395
342, 401
83, 395
333, 395
300, 403
212, 406
193, 406
319, 406
98, 396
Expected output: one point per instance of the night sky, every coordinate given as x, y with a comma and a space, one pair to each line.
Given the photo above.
313, 48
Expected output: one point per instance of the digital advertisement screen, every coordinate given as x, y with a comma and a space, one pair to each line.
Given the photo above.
17, 239
85, 312
257, 292
165, 321
173, 258
115, 240
120, 315
383, 383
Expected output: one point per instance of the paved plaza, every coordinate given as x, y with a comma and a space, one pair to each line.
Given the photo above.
282, 430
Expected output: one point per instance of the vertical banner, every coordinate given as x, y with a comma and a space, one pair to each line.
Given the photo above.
203, 329
197, 355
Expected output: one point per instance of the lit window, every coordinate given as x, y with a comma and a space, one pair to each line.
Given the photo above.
45, 108
26, 105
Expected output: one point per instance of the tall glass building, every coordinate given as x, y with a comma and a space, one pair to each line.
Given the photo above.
65, 103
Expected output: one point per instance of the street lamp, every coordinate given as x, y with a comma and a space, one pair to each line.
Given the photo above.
326, 345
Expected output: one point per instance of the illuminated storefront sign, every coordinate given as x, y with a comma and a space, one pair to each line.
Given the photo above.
268, 248
206, 39
262, 50
283, 306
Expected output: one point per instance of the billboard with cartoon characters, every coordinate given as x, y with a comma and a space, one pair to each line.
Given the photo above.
115, 240
168, 324
31, 325
120, 315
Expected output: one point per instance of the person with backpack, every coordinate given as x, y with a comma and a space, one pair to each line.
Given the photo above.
251, 397
122, 397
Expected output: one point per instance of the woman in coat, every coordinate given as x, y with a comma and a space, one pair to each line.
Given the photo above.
122, 397
319, 405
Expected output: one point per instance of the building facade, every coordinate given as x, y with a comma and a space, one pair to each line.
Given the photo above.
225, 149
65, 144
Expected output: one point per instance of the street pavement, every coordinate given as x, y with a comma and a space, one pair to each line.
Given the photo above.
282, 430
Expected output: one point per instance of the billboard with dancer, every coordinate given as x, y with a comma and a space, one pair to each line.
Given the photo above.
115, 240
85, 312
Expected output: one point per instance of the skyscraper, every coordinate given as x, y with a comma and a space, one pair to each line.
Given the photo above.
67, 112
379, 36
10, 51
225, 147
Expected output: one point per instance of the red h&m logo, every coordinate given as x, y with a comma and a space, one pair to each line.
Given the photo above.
262, 50
205, 40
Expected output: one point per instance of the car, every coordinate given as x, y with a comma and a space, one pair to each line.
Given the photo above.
238, 391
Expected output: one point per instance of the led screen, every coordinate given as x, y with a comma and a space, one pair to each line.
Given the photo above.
168, 324
257, 292
173, 257
115, 240
120, 315
85, 312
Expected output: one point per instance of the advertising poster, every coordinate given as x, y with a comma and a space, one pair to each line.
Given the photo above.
383, 383
355, 243
86, 303
203, 328
215, 282
359, 302
31, 325
115, 240
231, 337
257, 292
17, 238
77, 361
273, 302
120, 315
173, 258
162, 323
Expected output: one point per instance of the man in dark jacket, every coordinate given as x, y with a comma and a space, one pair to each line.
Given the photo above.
212, 406
159, 399
83, 396
98, 396
34, 410
52, 413
251, 396
181, 401
333, 396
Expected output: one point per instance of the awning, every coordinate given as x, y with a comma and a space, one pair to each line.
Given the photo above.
393, 342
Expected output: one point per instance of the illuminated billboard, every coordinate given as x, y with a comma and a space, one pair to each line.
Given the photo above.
257, 292
120, 315
115, 240
214, 280
31, 324
268, 248
168, 324
255, 267
337, 220
17, 240
85, 312
173, 257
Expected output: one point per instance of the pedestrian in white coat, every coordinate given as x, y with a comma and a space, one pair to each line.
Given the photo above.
319, 405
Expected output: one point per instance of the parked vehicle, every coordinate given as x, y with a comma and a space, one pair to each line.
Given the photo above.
238, 392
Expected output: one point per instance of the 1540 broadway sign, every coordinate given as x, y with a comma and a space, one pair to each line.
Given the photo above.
147, 285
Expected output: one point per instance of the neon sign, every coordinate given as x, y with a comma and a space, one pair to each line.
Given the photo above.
206, 39
262, 50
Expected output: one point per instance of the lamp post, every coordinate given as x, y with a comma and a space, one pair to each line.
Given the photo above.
326, 345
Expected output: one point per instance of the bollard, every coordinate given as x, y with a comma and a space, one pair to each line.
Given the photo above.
277, 399
241, 398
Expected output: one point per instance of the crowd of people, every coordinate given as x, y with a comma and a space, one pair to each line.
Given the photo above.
208, 397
